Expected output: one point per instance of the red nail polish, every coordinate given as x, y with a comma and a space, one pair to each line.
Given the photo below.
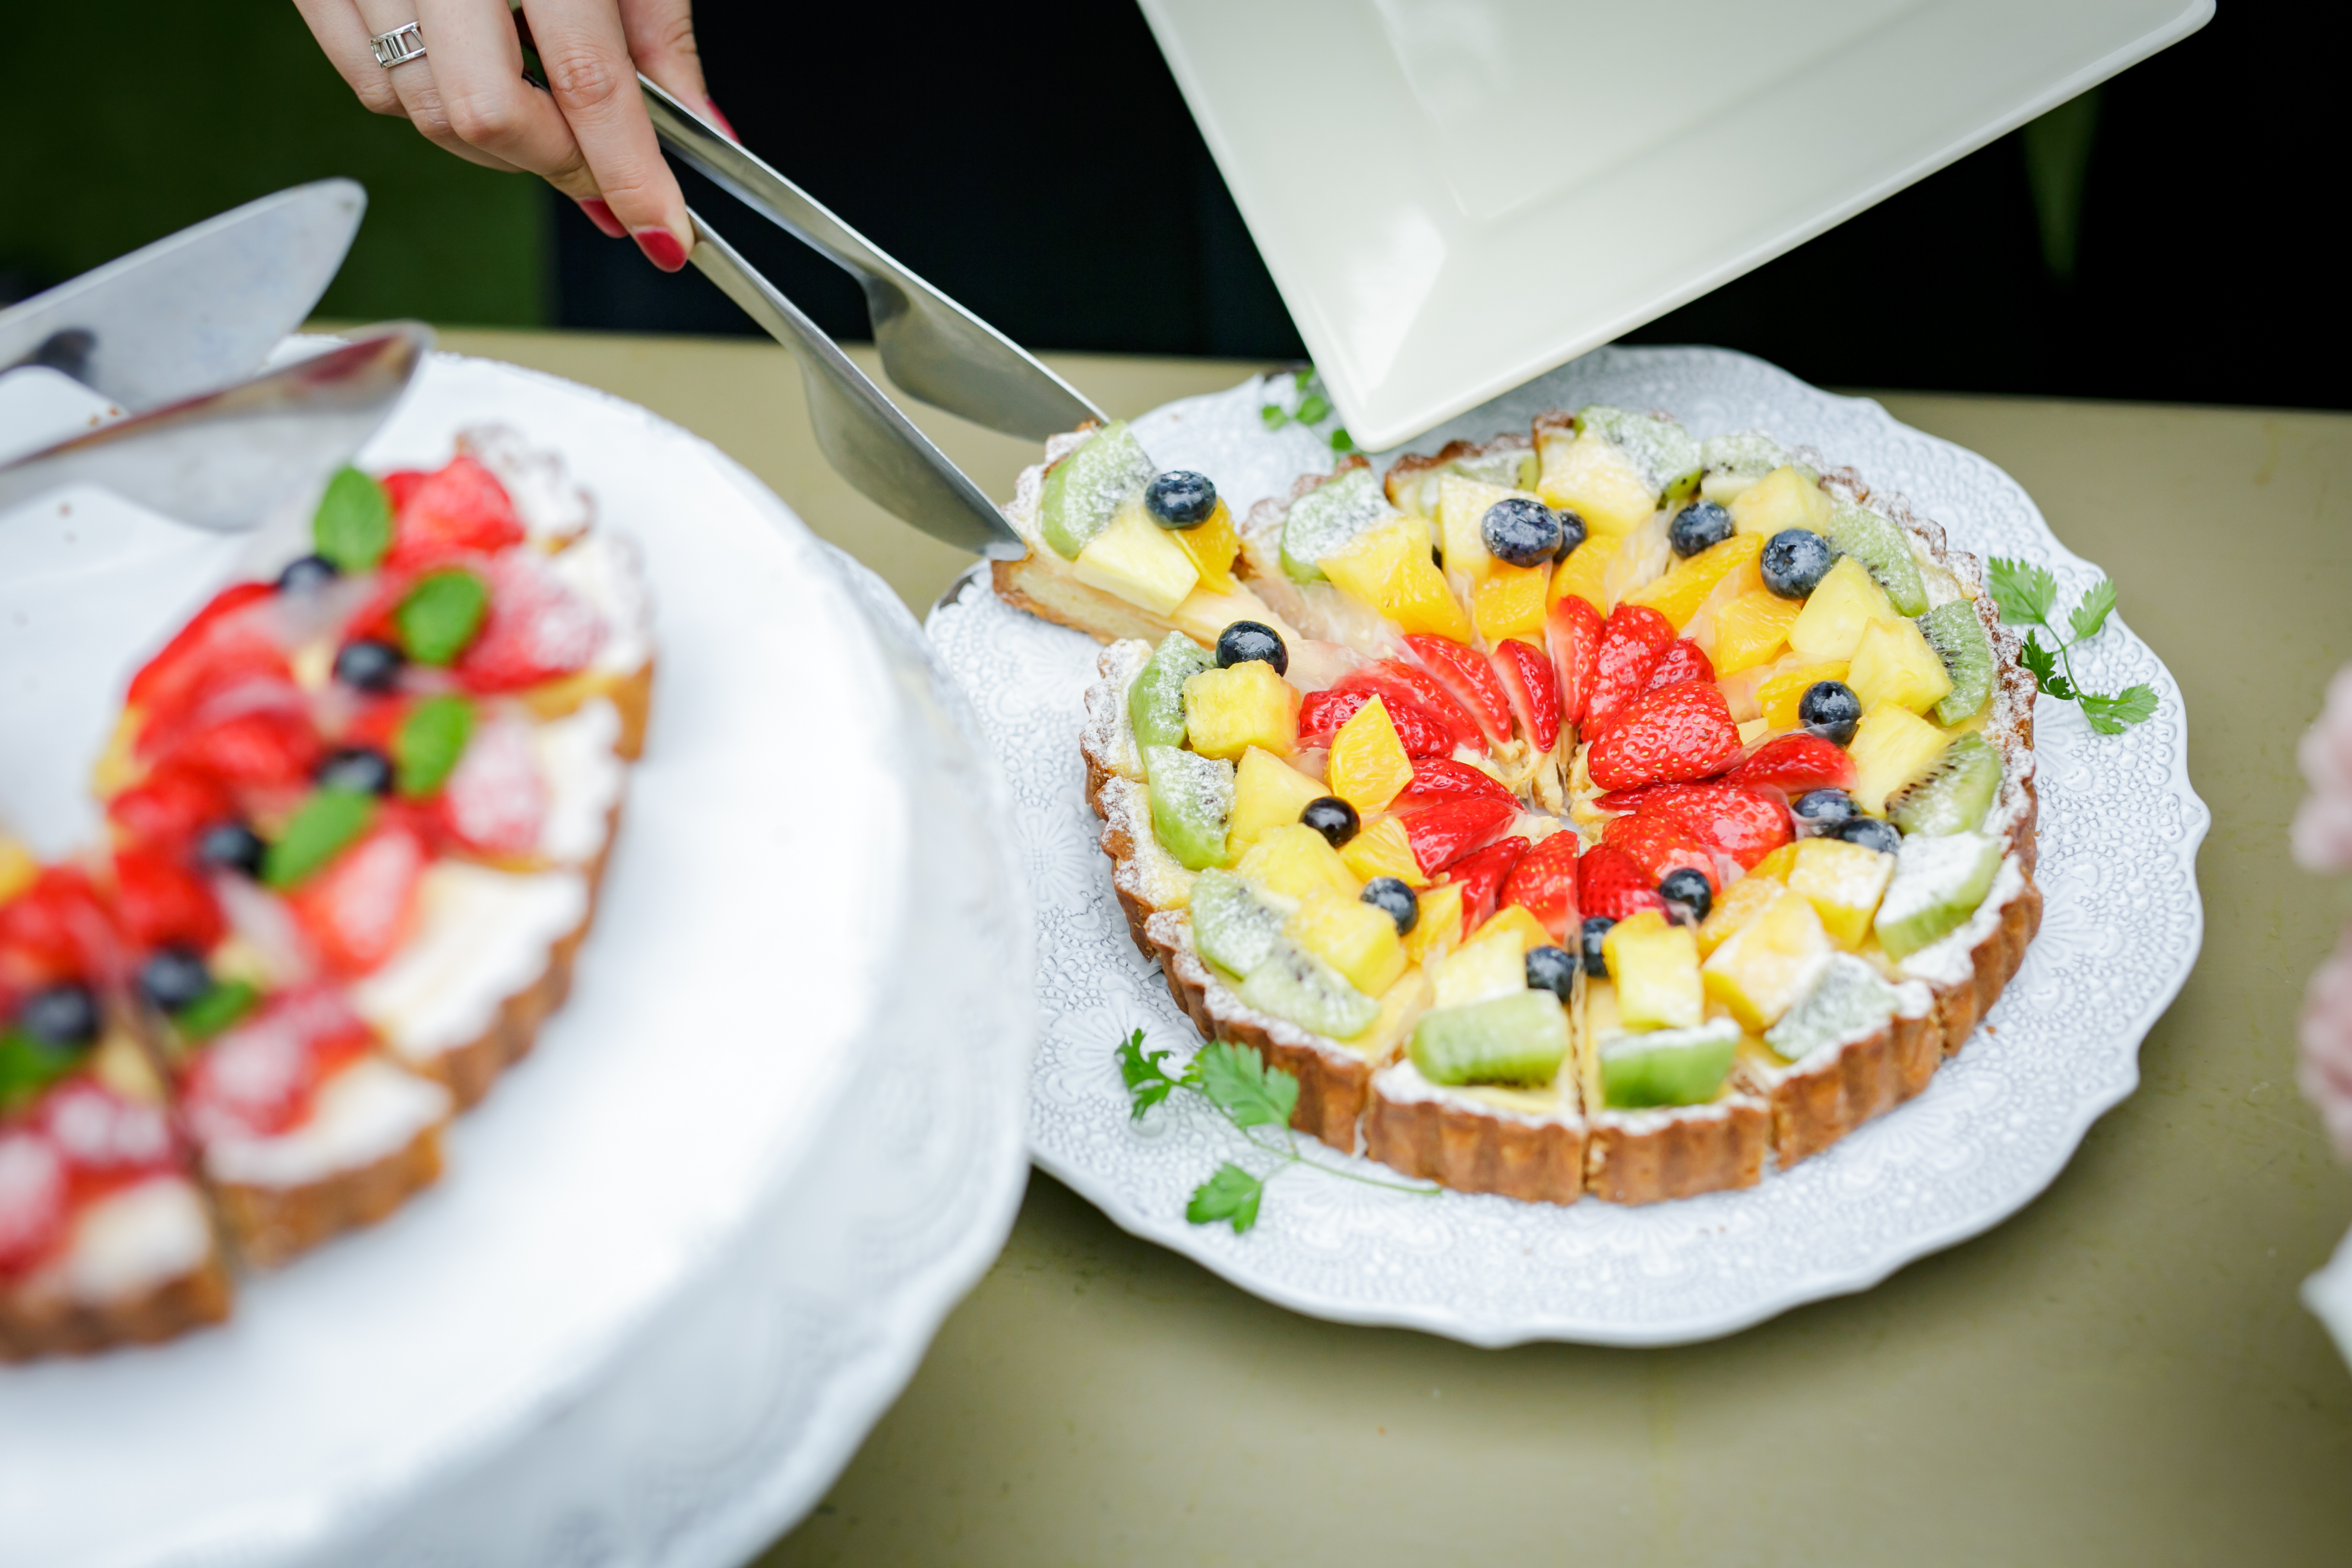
711, 112
662, 248
602, 216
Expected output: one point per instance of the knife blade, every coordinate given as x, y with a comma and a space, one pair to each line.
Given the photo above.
197, 310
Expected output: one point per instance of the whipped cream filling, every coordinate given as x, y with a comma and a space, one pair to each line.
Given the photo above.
481, 936
1951, 961
603, 570
370, 1109
1110, 728
131, 1241
585, 779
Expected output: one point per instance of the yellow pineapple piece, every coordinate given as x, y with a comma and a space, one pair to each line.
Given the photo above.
1687, 584
1844, 882
1589, 475
1367, 765
1354, 937
1389, 569
1582, 571
1212, 546
18, 869
1462, 506
1751, 630
1894, 663
1752, 730
1402, 1005
1782, 499
1134, 559
1655, 968
1771, 961
1383, 850
1298, 862
1741, 902
1891, 747
1482, 971
1642, 558
1268, 793
1510, 603
1511, 921
1439, 928
1227, 712
1841, 604
1778, 697
1773, 867
1203, 615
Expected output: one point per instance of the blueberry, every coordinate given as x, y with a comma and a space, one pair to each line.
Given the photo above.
1332, 818
1702, 525
307, 573
1520, 531
368, 664
1688, 893
1181, 498
1572, 532
1794, 561
1588, 940
1830, 710
60, 1016
174, 978
1823, 810
361, 769
1551, 969
1871, 834
232, 847
1393, 898
1246, 640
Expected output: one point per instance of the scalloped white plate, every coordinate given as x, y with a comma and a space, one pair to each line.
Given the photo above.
2122, 921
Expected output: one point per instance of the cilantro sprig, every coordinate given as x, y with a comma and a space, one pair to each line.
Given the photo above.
1314, 407
2026, 594
1239, 1085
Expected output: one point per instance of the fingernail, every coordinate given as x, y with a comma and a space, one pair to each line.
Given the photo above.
601, 215
710, 111
661, 247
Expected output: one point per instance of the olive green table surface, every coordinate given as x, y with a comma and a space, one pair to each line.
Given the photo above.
2123, 1372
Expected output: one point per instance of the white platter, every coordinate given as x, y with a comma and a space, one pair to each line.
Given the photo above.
1456, 196
2119, 830
686, 1253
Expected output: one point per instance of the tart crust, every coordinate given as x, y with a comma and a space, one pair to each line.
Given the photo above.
38, 1322
273, 1226
1472, 1150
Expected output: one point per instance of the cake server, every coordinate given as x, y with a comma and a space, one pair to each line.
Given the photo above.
197, 310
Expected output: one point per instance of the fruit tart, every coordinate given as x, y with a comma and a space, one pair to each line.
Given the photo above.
1593, 810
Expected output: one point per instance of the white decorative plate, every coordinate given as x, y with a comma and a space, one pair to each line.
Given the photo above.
2119, 832
686, 1254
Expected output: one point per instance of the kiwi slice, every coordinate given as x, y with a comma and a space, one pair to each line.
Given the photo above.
1954, 793
1878, 543
1514, 1039
1324, 519
1295, 985
1847, 1002
1191, 801
1733, 462
1514, 469
1939, 882
1235, 926
1086, 488
1664, 454
1155, 703
1669, 1067
1959, 638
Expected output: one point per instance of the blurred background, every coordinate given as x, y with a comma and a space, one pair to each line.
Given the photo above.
2159, 238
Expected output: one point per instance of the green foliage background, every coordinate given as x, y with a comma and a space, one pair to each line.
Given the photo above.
121, 122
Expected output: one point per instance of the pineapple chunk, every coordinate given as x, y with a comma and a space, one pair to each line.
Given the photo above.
1782, 499
1893, 747
1741, 902
1778, 697
1402, 1005
1775, 867
1227, 712
1841, 604
1894, 663
1383, 850
1582, 571
1268, 793
1655, 968
1211, 546
1133, 559
1367, 765
1591, 477
1512, 921
1678, 595
1510, 602
1439, 928
1768, 965
1389, 569
1843, 881
1751, 630
1642, 558
1203, 615
1462, 506
1298, 862
19, 870
1355, 938
1482, 971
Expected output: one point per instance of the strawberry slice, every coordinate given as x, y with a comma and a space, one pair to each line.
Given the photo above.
402, 484
1573, 634
228, 638
1631, 642
1544, 884
257, 1078
538, 630
496, 800
1745, 824
1469, 680
1609, 884
1444, 834
1481, 875
359, 908
1668, 736
54, 930
262, 746
1436, 780
160, 902
1796, 762
1683, 660
34, 1199
1418, 731
459, 509
1528, 682
100, 1134
1659, 844
1396, 682
168, 809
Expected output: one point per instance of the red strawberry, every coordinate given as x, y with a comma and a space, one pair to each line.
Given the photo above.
401, 484
460, 509
359, 909
259, 1078
1534, 691
1396, 682
1609, 884
54, 930
1544, 884
1481, 875
228, 638
1683, 660
1444, 834
1322, 713
1745, 824
167, 809
496, 800
1469, 680
160, 902
100, 1134
1436, 780
1668, 736
1573, 634
33, 1199
1631, 643
537, 630
1796, 763
262, 746
1659, 844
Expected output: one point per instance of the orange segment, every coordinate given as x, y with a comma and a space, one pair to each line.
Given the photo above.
1212, 546
1753, 628
1367, 765
1778, 697
1581, 574
1389, 569
1678, 595
1383, 850
1510, 603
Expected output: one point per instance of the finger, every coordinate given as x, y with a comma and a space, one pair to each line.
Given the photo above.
594, 81
417, 86
486, 101
660, 38
343, 36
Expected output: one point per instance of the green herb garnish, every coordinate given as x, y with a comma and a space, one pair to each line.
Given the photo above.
2026, 593
319, 831
429, 742
439, 615
1314, 407
28, 1066
352, 526
216, 1010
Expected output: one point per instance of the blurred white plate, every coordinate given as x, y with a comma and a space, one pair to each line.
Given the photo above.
2121, 925
686, 1254
1456, 196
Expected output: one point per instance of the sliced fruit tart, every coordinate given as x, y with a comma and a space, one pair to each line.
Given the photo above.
1594, 810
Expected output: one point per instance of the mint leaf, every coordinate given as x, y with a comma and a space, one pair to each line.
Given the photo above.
1232, 1195
352, 526
1314, 409
28, 1066
317, 832
1147, 1080
2113, 715
1341, 442
1274, 416
1303, 377
430, 740
2023, 591
216, 1010
440, 615
1239, 1083
2092, 612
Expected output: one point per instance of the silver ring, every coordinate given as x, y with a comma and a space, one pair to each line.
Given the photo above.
398, 47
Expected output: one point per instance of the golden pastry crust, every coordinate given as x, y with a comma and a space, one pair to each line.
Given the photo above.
1646, 1157
1471, 1151
37, 1322
273, 1226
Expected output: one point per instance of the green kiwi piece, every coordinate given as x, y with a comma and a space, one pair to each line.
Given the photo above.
1086, 490
1959, 638
1513, 468
1665, 454
1847, 1002
1324, 519
1939, 882
1514, 1039
1155, 703
1667, 1066
1736, 462
1295, 985
1954, 793
1878, 544
1192, 802
1235, 926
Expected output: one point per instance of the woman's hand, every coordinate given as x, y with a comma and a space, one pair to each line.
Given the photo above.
587, 134
2323, 842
